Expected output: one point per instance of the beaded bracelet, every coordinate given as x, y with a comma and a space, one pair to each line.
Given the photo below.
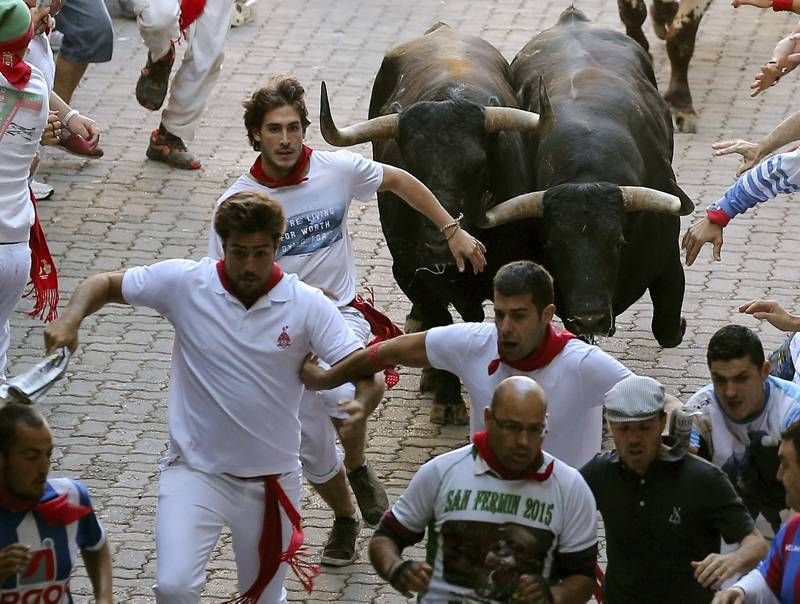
454, 223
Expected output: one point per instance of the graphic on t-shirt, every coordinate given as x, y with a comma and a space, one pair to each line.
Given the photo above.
753, 473
491, 558
311, 231
11, 101
38, 581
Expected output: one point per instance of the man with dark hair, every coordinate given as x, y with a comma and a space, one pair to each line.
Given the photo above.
775, 579
740, 416
242, 330
507, 521
522, 341
316, 188
43, 522
664, 511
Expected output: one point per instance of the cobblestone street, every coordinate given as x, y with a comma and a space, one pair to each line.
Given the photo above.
109, 415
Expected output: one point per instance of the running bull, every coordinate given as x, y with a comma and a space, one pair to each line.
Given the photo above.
607, 206
442, 108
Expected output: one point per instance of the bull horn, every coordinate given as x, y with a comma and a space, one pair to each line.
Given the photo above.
645, 199
528, 205
377, 128
498, 119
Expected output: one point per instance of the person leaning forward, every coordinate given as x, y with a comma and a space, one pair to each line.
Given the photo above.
664, 510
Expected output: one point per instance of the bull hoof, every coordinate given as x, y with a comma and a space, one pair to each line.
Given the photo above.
674, 341
412, 325
686, 121
440, 414
427, 381
459, 416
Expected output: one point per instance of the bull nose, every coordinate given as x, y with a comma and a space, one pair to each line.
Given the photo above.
589, 324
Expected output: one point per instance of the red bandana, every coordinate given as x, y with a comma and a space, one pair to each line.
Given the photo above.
481, 441
277, 275
57, 511
44, 277
270, 555
12, 65
381, 327
554, 342
297, 175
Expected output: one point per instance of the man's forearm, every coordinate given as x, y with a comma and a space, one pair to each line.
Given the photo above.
783, 134
575, 589
752, 549
98, 567
384, 554
92, 294
408, 188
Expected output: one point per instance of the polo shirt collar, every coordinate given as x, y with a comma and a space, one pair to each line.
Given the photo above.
671, 454
283, 291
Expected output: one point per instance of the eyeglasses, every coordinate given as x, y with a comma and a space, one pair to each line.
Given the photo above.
515, 428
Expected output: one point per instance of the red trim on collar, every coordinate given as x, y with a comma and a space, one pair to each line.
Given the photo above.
277, 275
57, 511
554, 342
481, 441
297, 175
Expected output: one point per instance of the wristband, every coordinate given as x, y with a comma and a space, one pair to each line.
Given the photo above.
718, 217
68, 116
373, 358
781, 5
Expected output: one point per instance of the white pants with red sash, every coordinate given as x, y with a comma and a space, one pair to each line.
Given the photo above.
15, 268
193, 507
199, 70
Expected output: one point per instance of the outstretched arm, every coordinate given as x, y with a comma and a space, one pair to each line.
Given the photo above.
408, 350
773, 313
785, 57
91, 295
463, 246
98, 567
752, 153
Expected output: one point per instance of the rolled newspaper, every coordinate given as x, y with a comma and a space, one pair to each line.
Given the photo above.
30, 386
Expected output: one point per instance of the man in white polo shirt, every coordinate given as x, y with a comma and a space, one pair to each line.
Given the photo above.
522, 341
242, 329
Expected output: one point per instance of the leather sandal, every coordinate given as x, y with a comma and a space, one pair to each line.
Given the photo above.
170, 149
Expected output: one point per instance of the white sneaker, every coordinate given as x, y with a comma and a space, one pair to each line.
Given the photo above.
244, 12
41, 190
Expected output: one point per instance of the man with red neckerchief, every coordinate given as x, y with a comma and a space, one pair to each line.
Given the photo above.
507, 521
316, 189
242, 329
43, 523
523, 341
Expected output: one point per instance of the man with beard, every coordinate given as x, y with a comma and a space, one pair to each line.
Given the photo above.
43, 522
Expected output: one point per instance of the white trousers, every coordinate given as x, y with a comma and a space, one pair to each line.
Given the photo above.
192, 509
15, 268
321, 457
198, 72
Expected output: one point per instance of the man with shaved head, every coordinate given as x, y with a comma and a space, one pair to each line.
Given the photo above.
507, 520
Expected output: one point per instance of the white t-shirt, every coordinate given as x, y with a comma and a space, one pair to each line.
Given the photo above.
574, 382
482, 527
23, 115
316, 245
235, 392
40, 54
794, 352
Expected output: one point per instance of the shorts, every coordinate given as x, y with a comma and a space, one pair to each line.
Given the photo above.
88, 31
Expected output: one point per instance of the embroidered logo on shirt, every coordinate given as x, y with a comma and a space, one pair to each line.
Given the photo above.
284, 341
675, 516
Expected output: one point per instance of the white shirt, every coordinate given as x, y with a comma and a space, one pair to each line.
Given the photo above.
474, 515
574, 382
316, 245
40, 54
235, 392
23, 115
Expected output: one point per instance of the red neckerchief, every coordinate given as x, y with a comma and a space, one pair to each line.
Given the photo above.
381, 327
43, 275
277, 275
57, 511
554, 342
481, 441
190, 11
297, 175
12, 65
270, 555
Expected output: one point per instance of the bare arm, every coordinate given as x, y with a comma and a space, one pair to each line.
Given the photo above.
385, 556
772, 312
90, 296
463, 246
575, 589
408, 350
98, 567
716, 568
785, 57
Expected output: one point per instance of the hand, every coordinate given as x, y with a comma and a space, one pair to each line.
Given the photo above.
713, 570
51, 135
312, 375
60, 332
415, 577
732, 595
750, 152
84, 127
756, 3
773, 71
464, 246
532, 589
40, 15
772, 312
13, 559
700, 233
356, 413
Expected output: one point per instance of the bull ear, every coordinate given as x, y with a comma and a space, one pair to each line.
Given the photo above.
396, 107
547, 119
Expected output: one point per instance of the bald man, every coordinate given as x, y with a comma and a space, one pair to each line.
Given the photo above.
507, 520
